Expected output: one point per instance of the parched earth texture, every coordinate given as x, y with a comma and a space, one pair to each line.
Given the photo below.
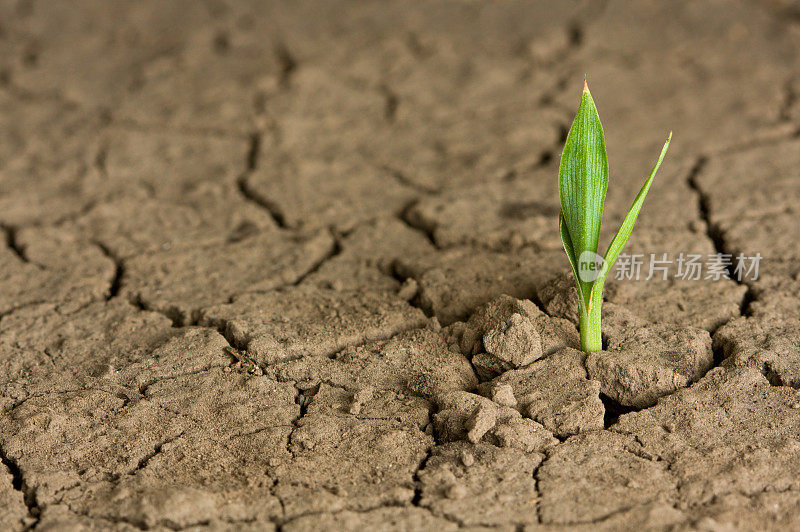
295, 265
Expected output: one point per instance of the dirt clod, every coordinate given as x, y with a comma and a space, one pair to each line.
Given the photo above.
556, 392
645, 363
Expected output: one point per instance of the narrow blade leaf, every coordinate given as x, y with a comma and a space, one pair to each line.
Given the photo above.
573, 261
624, 232
582, 182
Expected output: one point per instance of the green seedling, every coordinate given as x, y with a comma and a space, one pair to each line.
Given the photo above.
582, 183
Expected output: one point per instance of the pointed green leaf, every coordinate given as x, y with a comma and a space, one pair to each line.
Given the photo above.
582, 182
624, 232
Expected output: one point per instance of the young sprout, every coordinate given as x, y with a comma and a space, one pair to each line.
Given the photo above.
582, 183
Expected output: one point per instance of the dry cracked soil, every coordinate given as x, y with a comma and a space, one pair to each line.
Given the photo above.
295, 266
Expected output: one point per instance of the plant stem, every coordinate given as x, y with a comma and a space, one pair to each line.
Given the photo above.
591, 337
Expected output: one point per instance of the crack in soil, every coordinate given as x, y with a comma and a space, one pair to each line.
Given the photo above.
32, 304
771, 375
59, 392
143, 388
256, 140
414, 301
175, 314
417, 499
336, 249
171, 314
119, 270
19, 484
100, 159
253, 150
613, 410
391, 101
536, 485
715, 233
303, 398
260, 201
155, 452
417, 224
14, 246
287, 64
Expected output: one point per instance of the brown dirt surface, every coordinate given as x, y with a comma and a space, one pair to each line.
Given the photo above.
295, 266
